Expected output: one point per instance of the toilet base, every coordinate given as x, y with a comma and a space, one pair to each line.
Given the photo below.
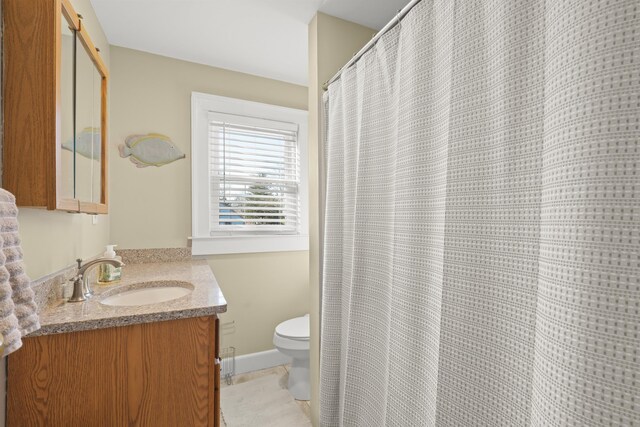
299, 382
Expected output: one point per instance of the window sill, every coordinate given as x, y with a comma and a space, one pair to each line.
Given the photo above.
220, 245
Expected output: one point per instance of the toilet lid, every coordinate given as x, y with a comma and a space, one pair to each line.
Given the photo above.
294, 328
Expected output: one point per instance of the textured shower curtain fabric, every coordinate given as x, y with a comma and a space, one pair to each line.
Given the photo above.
481, 247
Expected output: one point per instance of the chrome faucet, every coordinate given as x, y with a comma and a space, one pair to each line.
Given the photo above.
81, 288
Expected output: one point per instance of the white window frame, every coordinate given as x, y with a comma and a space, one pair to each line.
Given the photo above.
202, 242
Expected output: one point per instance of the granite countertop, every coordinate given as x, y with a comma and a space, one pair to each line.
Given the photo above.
205, 300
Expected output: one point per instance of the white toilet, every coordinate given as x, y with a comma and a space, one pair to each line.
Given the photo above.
292, 339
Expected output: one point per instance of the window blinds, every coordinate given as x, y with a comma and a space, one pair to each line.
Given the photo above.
254, 175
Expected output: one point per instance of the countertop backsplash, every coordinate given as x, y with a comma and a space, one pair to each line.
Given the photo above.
145, 256
50, 288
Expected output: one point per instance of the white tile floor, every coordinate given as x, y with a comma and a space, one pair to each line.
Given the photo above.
281, 371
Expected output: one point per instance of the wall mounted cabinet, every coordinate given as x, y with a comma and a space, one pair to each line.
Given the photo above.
55, 109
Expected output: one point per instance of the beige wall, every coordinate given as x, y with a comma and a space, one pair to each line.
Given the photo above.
332, 42
53, 240
262, 290
151, 207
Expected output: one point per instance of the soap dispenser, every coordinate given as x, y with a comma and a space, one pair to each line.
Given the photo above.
108, 273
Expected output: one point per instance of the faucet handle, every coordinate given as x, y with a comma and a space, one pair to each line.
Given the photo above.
79, 261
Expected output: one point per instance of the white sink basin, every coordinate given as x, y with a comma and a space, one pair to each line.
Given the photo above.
147, 293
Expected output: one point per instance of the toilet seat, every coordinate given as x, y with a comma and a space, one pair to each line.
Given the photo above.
294, 329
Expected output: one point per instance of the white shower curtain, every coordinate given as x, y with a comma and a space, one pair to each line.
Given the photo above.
481, 248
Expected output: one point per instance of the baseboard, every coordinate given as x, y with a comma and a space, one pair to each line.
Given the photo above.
261, 360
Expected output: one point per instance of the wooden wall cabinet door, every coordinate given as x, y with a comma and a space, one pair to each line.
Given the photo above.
153, 374
54, 157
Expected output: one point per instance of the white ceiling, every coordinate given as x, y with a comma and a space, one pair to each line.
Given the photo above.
267, 38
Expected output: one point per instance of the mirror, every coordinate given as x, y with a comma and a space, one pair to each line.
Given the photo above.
87, 136
83, 83
96, 117
67, 140
91, 90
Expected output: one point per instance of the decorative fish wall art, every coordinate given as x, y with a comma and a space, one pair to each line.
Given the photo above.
151, 149
87, 143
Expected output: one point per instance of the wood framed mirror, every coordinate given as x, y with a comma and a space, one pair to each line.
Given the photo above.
90, 126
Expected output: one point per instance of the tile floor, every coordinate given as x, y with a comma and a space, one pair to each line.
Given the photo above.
281, 371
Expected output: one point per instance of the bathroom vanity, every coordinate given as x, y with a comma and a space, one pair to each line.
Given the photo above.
94, 364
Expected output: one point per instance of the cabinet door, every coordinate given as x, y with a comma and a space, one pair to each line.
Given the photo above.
157, 374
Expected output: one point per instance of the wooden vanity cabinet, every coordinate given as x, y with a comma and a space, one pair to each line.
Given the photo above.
54, 108
151, 374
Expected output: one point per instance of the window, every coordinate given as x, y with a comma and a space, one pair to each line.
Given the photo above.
254, 168
249, 176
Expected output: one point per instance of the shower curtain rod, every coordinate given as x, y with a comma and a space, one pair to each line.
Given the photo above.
401, 13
